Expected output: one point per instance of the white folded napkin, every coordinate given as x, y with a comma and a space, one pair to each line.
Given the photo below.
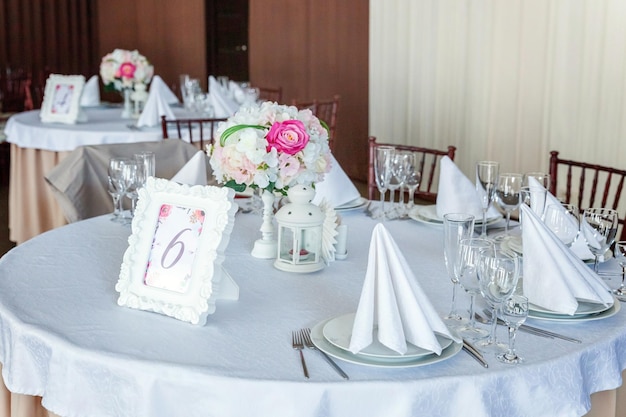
158, 86
457, 193
393, 301
554, 277
336, 188
223, 104
194, 171
91, 93
156, 106
237, 92
579, 247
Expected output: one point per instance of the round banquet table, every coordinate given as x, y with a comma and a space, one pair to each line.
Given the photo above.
65, 339
38, 147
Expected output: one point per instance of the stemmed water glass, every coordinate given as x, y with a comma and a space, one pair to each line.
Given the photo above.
413, 176
396, 180
469, 257
541, 177
513, 311
498, 272
382, 172
599, 227
563, 220
508, 195
620, 256
535, 198
132, 178
115, 187
456, 227
486, 182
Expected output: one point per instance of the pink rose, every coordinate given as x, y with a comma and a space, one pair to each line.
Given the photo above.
289, 137
165, 211
127, 70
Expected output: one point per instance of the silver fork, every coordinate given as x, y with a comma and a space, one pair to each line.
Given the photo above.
296, 342
306, 334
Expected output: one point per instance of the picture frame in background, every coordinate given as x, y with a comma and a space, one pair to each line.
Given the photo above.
61, 100
173, 263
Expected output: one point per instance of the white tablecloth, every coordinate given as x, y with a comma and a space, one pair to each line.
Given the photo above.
65, 339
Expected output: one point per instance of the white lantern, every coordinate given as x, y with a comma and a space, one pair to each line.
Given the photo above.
300, 228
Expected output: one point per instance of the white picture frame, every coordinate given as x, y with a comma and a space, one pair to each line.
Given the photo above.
61, 100
173, 263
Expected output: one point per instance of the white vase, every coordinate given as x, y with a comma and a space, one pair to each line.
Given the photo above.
265, 247
127, 112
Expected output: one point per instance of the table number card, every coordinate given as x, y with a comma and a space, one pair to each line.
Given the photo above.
61, 101
173, 262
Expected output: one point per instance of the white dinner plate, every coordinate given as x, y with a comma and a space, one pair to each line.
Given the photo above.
352, 205
514, 243
317, 335
584, 309
611, 311
428, 215
338, 332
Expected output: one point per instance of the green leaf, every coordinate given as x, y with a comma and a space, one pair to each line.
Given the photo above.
228, 132
325, 126
235, 186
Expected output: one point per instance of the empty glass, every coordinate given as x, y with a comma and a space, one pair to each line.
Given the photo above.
469, 257
513, 311
131, 181
620, 256
396, 180
541, 177
456, 227
508, 195
599, 227
382, 172
147, 163
413, 176
498, 272
486, 182
535, 198
116, 187
563, 220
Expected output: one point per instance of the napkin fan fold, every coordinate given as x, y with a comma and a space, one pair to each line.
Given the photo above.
554, 277
393, 301
194, 172
336, 187
156, 106
91, 92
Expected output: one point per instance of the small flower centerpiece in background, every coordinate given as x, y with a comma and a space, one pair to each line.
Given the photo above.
270, 147
121, 70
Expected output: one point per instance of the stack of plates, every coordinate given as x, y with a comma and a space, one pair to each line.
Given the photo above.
428, 215
586, 312
333, 337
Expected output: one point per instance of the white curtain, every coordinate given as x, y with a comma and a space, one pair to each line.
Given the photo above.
505, 80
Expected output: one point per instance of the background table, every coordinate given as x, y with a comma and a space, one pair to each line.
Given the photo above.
38, 147
65, 339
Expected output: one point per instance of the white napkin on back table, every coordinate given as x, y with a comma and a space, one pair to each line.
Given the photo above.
156, 106
554, 277
223, 104
336, 188
91, 93
158, 86
457, 194
393, 301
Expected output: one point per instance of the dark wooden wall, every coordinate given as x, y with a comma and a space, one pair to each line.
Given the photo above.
311, 48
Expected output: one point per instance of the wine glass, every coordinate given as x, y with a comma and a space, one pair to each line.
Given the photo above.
413, 176
115, 187
486, 182
563, 220
396, 180
468, 259
508, 195
534, 197
147, 163
541, 177
498, 272
620, 256
382, 172
131, 181
513, 311
599, 227
456, 227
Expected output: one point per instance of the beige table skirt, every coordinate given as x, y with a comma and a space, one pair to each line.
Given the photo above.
610, 403
33, 208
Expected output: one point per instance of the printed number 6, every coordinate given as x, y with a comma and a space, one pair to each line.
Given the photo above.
170, 246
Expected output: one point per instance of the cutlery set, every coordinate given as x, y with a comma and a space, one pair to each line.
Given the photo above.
528, 329
302, 338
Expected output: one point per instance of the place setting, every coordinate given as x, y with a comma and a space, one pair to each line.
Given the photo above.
395, 325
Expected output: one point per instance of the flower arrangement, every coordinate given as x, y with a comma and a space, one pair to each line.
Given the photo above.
122, 69
270, 146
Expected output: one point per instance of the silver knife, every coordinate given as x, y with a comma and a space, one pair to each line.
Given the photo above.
469, 348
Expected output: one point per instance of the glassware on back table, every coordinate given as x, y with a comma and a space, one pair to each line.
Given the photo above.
486, 183
469, 256
564, 221
508, 195
413, 176
382, 172
498, 272
620, 256
396, 180
599, 227
513, 311
456, 227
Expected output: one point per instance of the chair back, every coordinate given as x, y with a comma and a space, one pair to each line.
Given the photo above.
428, 163
198, 131
588, 185
271, 94
325, 110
